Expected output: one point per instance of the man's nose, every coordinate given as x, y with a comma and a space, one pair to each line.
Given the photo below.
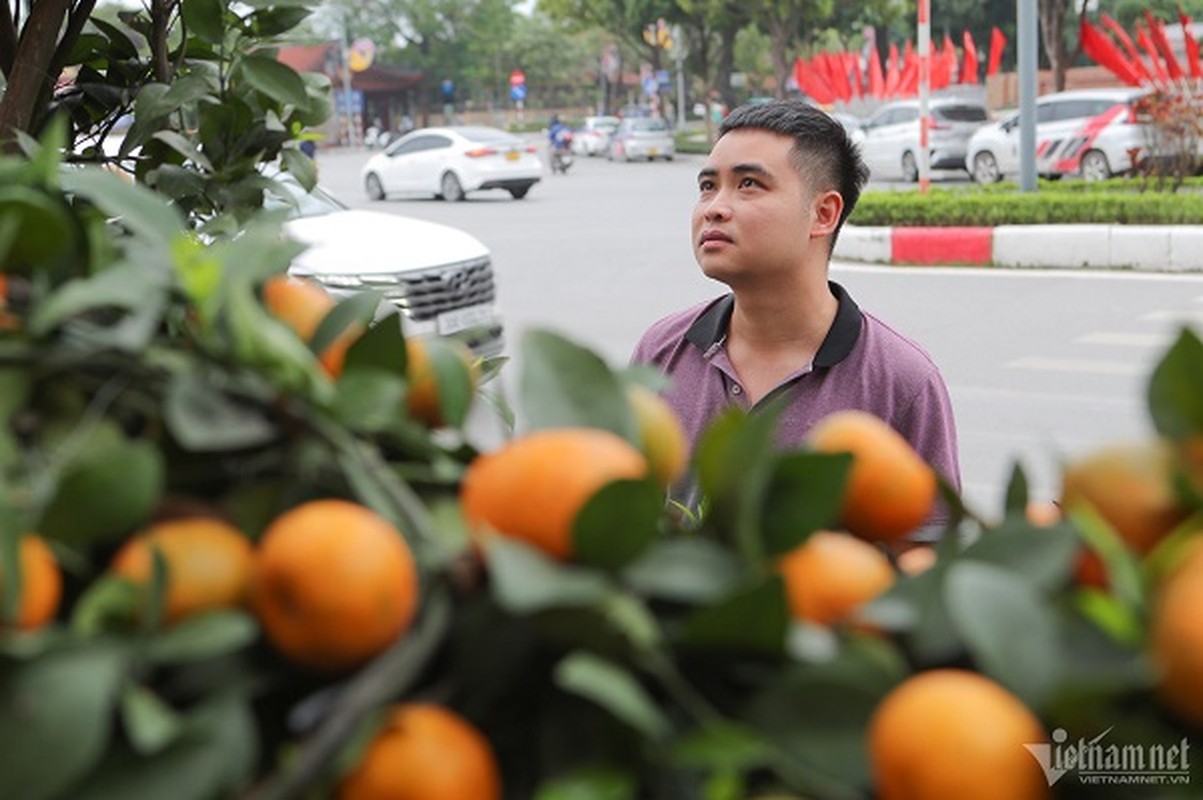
716, 206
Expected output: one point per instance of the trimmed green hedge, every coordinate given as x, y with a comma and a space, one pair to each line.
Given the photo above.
1109, 202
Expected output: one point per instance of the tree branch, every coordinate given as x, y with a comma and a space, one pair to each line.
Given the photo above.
31, 77
8, 38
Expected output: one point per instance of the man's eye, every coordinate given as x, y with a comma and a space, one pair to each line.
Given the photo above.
748, 182
705, 186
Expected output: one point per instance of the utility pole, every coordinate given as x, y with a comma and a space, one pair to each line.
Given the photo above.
1027, 34
924, 39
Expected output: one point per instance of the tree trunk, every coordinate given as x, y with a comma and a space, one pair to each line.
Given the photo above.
1052, 33
30, 78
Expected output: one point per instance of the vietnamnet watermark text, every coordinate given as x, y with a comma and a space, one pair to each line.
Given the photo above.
1099, 762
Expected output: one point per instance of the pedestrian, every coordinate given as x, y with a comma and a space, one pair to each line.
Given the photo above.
773, 194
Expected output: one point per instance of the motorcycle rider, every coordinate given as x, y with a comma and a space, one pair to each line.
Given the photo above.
560, 137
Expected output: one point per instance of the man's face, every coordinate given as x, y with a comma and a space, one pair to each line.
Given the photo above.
753, 216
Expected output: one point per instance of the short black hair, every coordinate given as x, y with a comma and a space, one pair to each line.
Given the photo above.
823, 152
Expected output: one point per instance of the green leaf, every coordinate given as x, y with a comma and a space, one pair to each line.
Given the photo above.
381, 347
211, 757
684, 570
1043, 556
618, 523
112, 488
524, 580
804, 494
1175, 392
754, 619
358, 310
43, 229
564, 384
139, 209
1009, 627
368, 400
203, 418
57, 720
1017, 492
208, 635
723, 747
613, 688
109, 602
206, 19
185, 147
278, 81
590, 783
150, 723
453, 380
300, 166
125, 286
817, 714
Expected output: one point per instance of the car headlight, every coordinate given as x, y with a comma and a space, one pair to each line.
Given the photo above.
340, 281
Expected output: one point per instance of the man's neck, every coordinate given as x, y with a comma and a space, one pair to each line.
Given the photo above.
775, 334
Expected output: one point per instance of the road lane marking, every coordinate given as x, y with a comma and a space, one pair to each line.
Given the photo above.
1126, 339
1079, 365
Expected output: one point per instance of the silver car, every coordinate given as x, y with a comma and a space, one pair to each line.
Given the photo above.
891, 136
642, 138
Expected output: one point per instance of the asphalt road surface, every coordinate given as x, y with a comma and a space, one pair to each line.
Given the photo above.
1041, 365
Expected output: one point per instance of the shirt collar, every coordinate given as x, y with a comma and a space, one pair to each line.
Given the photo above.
711, 326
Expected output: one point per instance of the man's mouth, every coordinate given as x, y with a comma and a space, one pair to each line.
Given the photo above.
713, 238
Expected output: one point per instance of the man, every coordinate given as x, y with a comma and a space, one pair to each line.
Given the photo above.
778, 185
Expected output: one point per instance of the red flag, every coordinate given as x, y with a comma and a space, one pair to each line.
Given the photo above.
950, 57
998, 43
812, 83
853, 71
908, 78
1157, 30
1103, 52
837, 75
892, 74
1192, 46
941, 75
969, 73
1129, 46
1142, 38
877, 82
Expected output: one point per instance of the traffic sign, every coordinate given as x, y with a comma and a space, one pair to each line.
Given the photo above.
360, 54
518, 91
517, 78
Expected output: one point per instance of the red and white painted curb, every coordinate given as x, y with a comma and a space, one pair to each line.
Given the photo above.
1160, 248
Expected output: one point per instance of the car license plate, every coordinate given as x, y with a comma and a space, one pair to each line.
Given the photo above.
512, 155
651, 152
462, 318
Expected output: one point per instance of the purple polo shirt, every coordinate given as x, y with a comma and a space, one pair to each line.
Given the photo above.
861, 364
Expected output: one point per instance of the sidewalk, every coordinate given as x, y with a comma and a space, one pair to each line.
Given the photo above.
1153, 248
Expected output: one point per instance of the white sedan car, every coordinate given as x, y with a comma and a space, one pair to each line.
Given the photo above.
450, 162
440, 278
1091, 132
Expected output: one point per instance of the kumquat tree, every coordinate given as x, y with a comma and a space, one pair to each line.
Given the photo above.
235, 567
248, 550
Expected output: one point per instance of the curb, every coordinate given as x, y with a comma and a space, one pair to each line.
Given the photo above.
1152, 248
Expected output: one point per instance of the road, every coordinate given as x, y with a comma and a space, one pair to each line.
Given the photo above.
1041, 365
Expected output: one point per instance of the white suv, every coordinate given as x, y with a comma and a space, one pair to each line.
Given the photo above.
891, 136
1091, 132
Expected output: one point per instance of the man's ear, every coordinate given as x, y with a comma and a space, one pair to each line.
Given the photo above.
826, 208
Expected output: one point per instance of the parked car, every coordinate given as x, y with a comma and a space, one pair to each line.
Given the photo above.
450, 162
593, 137
1091, 132
438, 277
891, 136
642, 137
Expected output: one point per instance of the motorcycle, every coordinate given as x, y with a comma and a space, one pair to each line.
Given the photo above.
561, 152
